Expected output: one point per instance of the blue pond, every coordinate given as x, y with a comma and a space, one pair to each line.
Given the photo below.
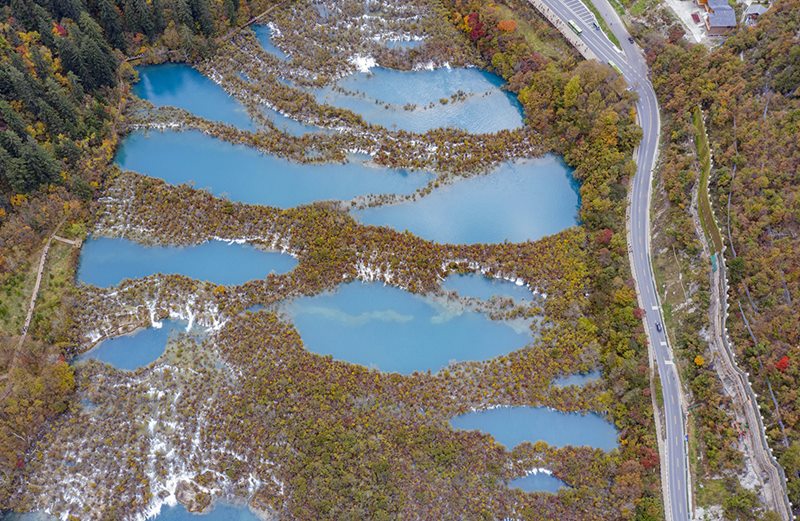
246, 175
579, 379
181, 86
403, 44
519, 201
138, 349
486, 108
264, 36
28, 516
477, 286
289, 125
538, 482
397, 331
106, 262
510, 426
219, 513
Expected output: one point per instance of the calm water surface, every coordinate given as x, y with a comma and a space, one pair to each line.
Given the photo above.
510, 426
288, 125
176, 513
106, 262
397, 331
403, 44
28, 516
138, 349
486, 108
369, 324
264, 35
520, 201
244, 174
179, 85
219, 513
538, 482
478, 286
579, 379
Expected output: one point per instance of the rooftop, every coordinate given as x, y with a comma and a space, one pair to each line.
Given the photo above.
721, 14
755, 9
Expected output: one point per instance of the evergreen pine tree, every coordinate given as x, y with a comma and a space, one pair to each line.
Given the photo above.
159, 23
97, 56
38, 167
10, 119
71, 58
10, 168
201, 12
110, 20
71, 9
231, 8
138, 18
183, 13
100, 69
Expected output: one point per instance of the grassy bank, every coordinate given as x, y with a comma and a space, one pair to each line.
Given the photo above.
704, 203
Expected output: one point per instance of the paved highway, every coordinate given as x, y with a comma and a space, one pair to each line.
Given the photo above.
634, 69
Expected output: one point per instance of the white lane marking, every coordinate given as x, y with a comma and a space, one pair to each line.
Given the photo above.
655, 308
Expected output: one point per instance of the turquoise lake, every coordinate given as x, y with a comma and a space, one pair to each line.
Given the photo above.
519, 201
179, 85
245, 175
138, 349
538, 482
106, 262
289, 125
392, 330
29, 516
579, 379
380, 96
264, 36
511, 426
477, 286
370, 324
219, 513
403, 44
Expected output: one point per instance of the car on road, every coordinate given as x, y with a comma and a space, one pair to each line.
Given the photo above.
596, 26
630, 39
658, 327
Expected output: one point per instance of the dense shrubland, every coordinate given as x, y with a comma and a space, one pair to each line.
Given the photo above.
748, 92
318, 429
249, 404
62, 84
588, 108
674, 228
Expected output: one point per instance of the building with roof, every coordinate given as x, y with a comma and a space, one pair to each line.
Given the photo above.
752, 13
720, 17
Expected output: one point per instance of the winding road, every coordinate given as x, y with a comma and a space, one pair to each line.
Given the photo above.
632, 64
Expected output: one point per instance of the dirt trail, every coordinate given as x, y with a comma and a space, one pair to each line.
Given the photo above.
35, 293
746, 408
42, 261
758, 455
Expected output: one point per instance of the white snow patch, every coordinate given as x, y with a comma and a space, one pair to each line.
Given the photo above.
363, 63
538, 470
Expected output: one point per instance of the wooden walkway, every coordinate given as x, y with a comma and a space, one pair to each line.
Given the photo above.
39, 272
